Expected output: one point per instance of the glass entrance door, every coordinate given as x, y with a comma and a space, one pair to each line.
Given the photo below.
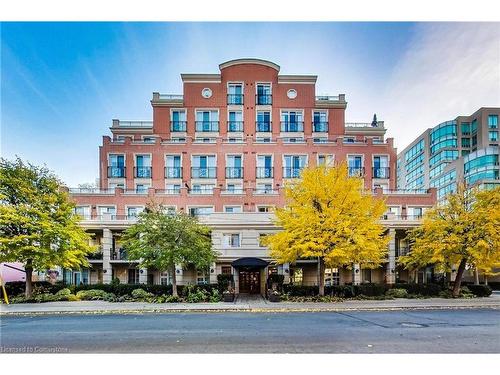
249, 281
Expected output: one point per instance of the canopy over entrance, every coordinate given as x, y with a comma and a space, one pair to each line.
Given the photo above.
249, 262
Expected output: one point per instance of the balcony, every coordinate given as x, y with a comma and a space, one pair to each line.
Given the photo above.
291, 172
263, 127
328, 98
320, 127
234, 126
142, 172
119, 254
292, 127
173, 172
178, 126
235, 99
263, 99
380, 172
234, 172
132, 124
116, 172
95, 256
264, 172
356, 171
197, 172
207, 126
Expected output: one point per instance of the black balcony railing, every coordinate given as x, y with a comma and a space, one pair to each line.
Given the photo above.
380, 172
356, 171
264, 172
204, 172
263, 99
116, 172
207, 126
235, 126
234, 172
95, 256
178, 126
320, 127
142, 172
291, 172
297, 126
264, 127
236, 99
119, 254
173, 172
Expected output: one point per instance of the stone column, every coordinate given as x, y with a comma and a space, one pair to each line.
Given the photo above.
107, 248
356, 274
179, 274
143, 276
213, 273
391, 264
236, 280
286, 273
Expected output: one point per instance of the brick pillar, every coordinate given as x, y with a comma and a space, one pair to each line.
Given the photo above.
356, 274
107, 248
391, 264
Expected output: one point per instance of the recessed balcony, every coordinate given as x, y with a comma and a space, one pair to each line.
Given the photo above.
292, 127
178, 126
291, 172
356, 171
207, 126
264, 172
380, 172
173, 172
320, 127
235, 99
263, 127
235, 126
234, 172
207, 172
116, 172
263, 99
142, 172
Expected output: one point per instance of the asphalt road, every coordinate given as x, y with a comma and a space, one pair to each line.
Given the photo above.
416, 331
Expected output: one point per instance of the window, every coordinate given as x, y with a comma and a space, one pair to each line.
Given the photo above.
381, 166
232, 209
264, 166
474, 126
173, 189
263, 121
165, 278
320, 123
106, 210
149, 139
448, 155
444, 143
231, 240
493, 136
235, 121
493, 121
173, 168
203, 166
415, 150
178, 121
83, 211
142, 188
293, 165
234, 167
355, 165
207, 121
202, 189
263, 96
201, 277
444, 130
264, 189
133, 276
234, 188
235, 94
261, 239
143, 166
465, 142
197, 211
225, 270
296, 276
133, 212
326, 160
116, 166
265, 209
465, 126
292, 121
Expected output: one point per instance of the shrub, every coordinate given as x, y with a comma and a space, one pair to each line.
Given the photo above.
429, 289
121, 290
215, 297
115, 281
300, 290
480, 290
95, 294
224, 281
142, 295
342, 291
64, 292
397, 293
15, 288
172, 299
369, 289
72, 298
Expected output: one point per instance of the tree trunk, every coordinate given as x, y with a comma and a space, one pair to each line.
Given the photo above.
476, 276
458, 278
28, 268
321, 276
174, 283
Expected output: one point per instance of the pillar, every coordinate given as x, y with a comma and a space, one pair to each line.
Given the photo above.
143, 276
391, 264
107, 248
286, 273
236, 279
356, 274
179, 274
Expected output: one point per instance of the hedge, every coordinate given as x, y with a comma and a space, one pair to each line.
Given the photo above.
480, 290
429, 289
15, 288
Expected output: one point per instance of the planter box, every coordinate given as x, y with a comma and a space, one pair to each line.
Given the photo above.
228, 297
274, 298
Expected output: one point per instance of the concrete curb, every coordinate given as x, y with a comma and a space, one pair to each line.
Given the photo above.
247, 310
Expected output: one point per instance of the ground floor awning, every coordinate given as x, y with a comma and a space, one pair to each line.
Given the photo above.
249, 262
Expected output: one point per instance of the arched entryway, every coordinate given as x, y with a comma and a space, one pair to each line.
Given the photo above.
251, 275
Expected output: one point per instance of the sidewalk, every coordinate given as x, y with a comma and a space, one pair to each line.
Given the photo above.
243, 304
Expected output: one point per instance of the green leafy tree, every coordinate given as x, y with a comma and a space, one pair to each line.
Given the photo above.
38, 226
462, 231
328, 216
161, 240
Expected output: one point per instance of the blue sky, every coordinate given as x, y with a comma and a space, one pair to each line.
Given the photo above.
63, 83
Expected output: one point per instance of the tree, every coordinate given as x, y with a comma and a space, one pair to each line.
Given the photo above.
161, 240
38, 226
329, 217
462, 231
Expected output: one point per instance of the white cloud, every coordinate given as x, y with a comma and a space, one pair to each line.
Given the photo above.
448, 70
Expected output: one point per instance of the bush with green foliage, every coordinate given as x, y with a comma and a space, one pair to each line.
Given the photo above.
96, 294
397, 293
370, 289
142, 296
15, 288
64, 292
428, 289
342, 291
224, 281
480, 290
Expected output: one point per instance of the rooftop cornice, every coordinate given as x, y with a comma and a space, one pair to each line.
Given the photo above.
189, 77
249, 61
297, 79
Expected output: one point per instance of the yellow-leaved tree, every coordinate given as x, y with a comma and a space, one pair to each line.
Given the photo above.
329, 216
465, 230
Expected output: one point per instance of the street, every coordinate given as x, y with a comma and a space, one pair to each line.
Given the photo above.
410, 331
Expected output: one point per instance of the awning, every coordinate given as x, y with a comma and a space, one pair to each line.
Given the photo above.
249, 262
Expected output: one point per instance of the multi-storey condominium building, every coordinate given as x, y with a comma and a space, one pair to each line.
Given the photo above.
223, 150
461, 150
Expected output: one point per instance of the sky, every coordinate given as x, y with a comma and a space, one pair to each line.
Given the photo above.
61, 84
